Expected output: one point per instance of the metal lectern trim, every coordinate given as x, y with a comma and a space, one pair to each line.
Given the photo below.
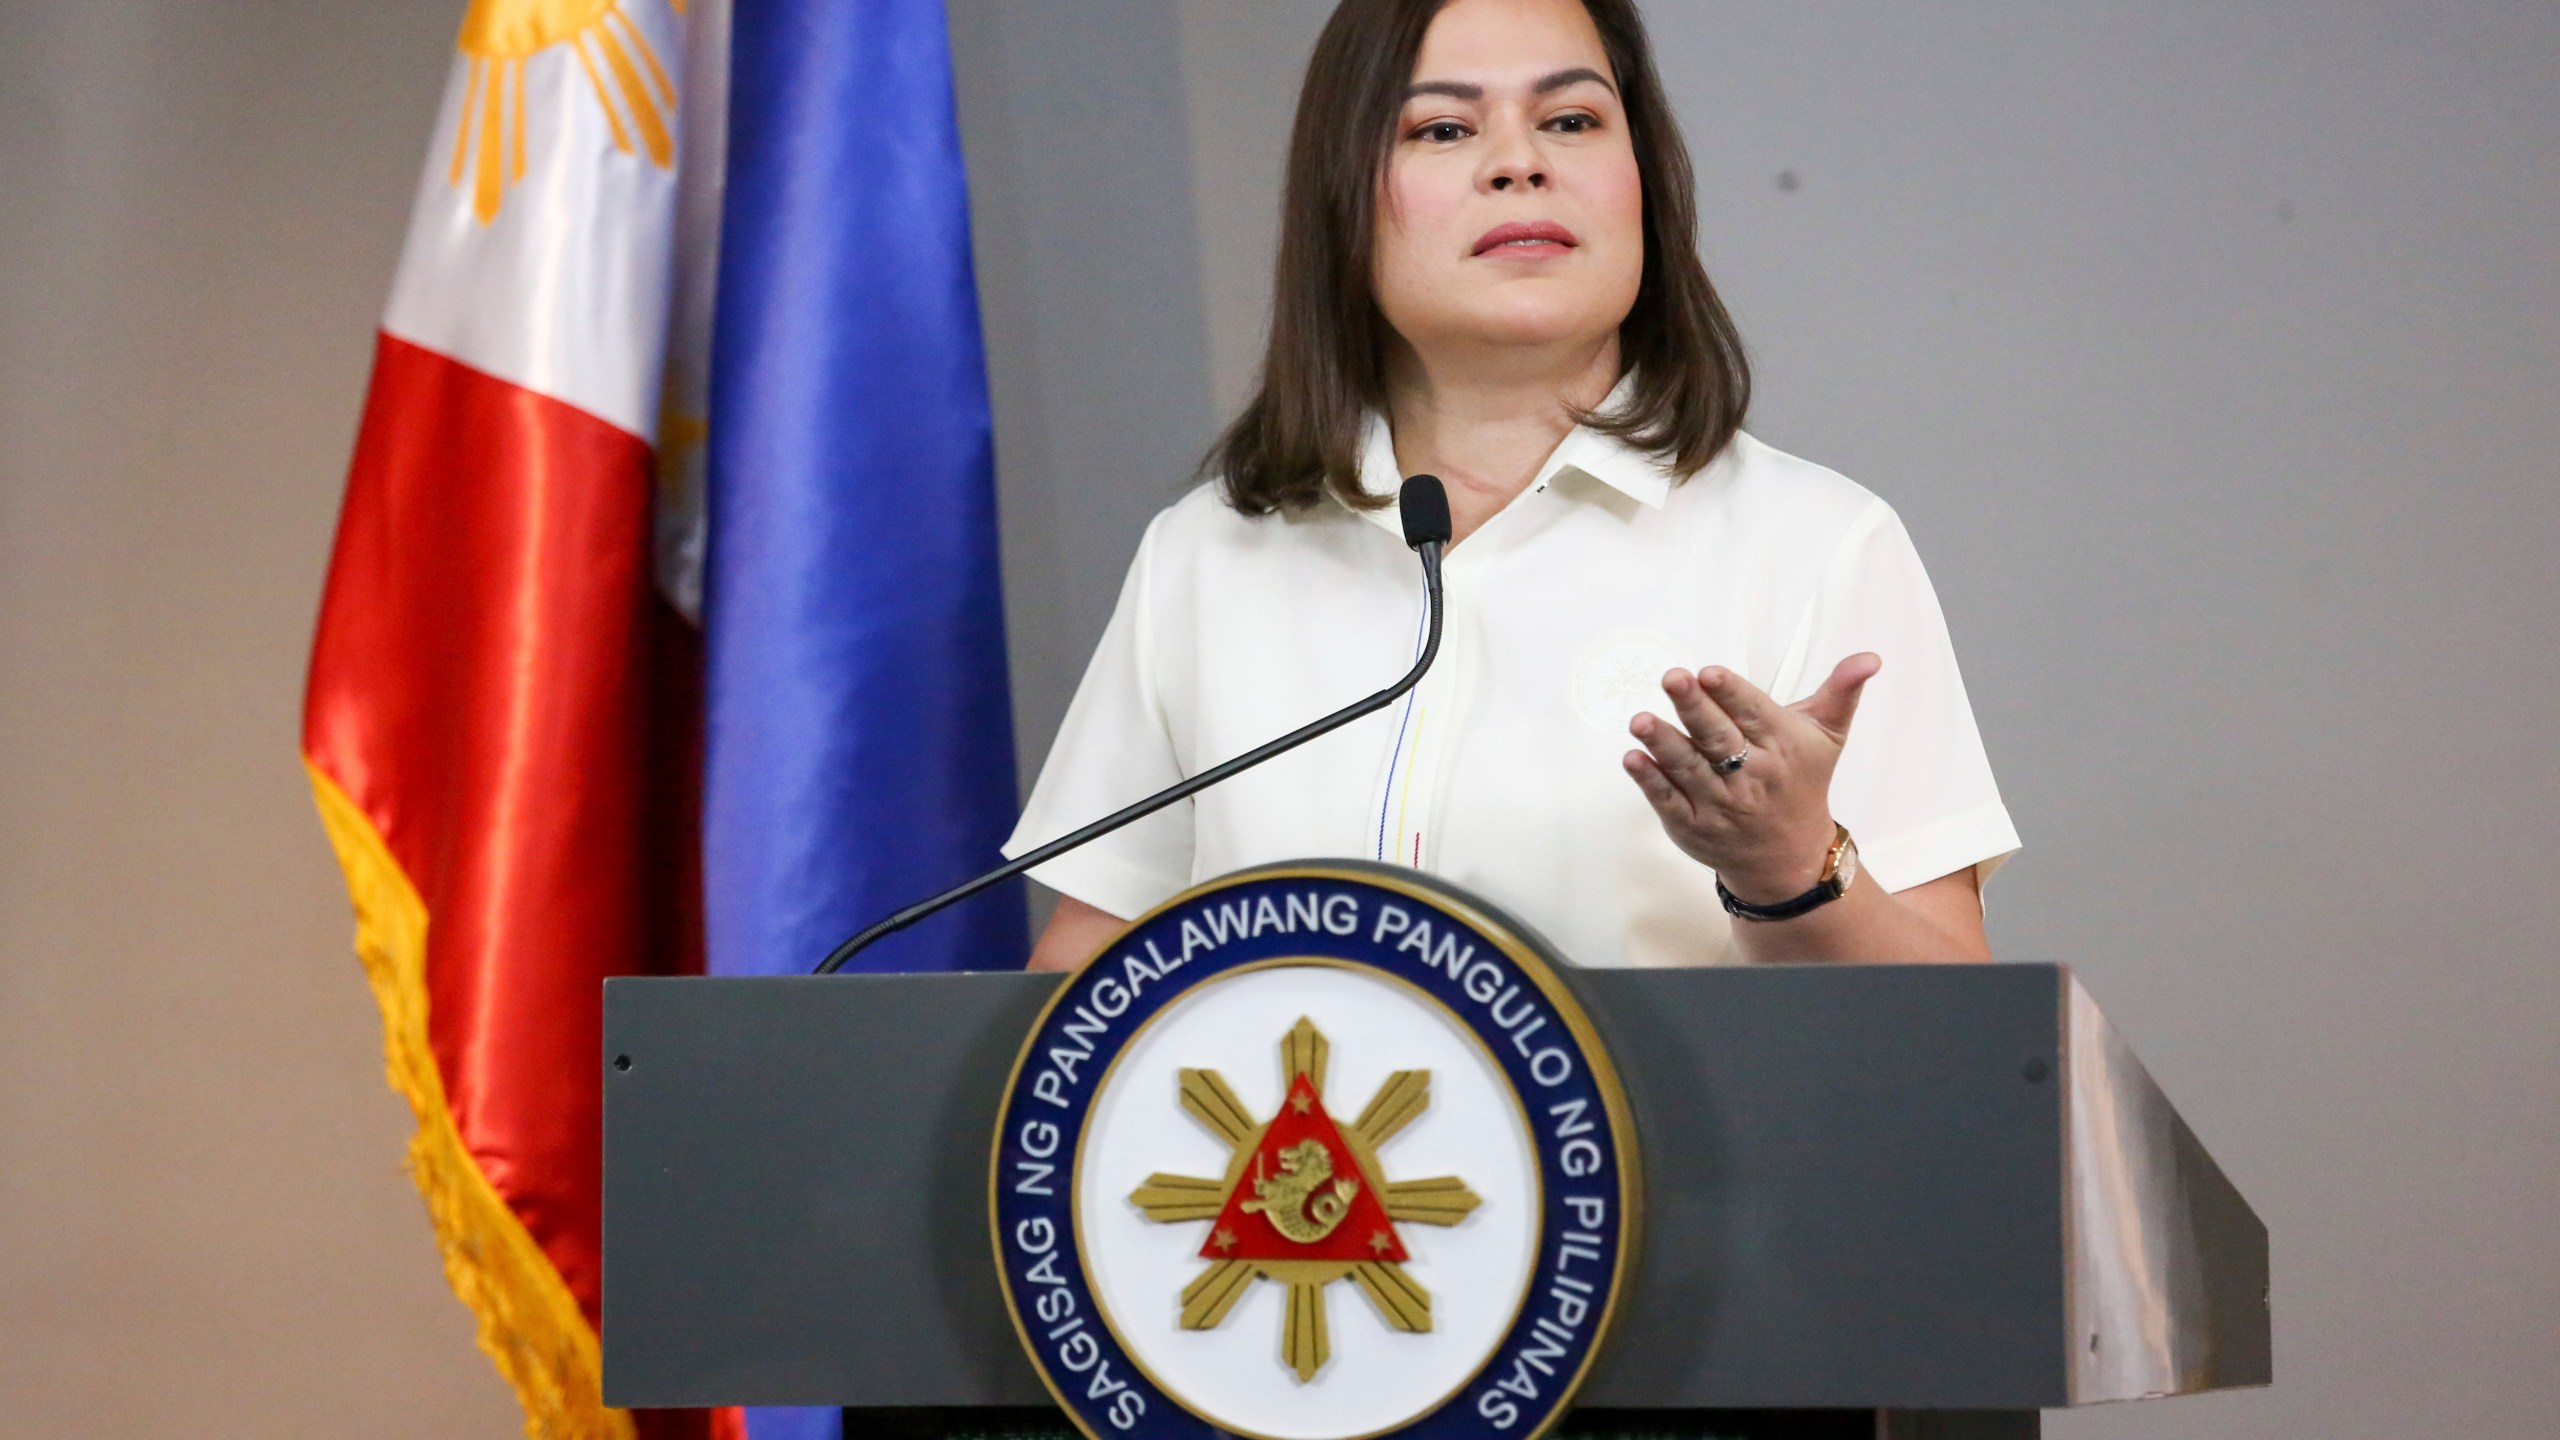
2152, 1312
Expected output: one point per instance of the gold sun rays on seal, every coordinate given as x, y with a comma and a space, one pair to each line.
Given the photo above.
1400, 1299
499, 36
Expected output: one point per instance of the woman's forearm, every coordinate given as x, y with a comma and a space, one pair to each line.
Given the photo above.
1939, 922
1075, 934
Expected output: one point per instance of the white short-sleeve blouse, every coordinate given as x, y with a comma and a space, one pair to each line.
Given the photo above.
1501, 772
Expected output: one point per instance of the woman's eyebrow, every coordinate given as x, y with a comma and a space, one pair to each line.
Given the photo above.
1575, 76
1455, 89
1461, 90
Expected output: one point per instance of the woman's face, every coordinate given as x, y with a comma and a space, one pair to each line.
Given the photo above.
1511, 212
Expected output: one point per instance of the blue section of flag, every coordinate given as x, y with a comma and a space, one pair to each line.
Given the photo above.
859, 727
793, 1422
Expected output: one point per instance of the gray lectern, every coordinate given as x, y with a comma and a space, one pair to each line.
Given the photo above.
1946, 1193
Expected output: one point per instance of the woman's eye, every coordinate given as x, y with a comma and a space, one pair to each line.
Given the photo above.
1575, 124
1442, 132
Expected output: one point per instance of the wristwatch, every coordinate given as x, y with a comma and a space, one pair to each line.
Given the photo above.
1839, 868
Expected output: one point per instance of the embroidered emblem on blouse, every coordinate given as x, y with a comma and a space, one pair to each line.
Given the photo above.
1620, 676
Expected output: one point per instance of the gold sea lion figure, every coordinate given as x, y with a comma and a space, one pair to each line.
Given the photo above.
1304, 1169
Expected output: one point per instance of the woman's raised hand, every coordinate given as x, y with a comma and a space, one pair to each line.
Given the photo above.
1743, 784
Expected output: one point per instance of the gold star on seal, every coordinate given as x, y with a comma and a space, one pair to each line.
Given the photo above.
1297, 1201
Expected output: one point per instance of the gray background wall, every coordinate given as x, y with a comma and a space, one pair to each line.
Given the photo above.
2210, 352
204, 1229
2213, 354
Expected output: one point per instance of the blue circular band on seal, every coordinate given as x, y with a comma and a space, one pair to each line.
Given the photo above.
1400, 924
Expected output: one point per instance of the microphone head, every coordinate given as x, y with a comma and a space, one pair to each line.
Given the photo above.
1424, 507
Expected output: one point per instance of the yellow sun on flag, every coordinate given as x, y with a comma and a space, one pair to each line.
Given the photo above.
498, 36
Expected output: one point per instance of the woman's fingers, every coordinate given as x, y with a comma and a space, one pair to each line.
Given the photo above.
1669, 800
1751, 711
1671, 749
1834, 705
1764, 815
1710, 728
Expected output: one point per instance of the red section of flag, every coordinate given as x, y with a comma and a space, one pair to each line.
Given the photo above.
498, 688
1302, 1195
728, 1424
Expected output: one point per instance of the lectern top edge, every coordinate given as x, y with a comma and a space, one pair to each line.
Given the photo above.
1872, 1187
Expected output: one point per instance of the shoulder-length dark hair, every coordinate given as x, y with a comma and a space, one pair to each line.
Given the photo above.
1299, 439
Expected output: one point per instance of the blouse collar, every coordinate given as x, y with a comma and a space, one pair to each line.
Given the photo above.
1585, 455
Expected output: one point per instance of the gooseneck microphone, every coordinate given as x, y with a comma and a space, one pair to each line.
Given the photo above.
1424, 507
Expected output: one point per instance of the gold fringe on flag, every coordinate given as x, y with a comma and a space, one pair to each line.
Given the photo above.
529, 1322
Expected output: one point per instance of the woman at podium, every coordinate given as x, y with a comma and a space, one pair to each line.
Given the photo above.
1696, 701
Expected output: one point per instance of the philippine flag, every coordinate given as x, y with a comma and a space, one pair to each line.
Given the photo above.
620, 410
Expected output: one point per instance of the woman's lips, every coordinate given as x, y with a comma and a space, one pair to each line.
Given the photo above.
1526, 237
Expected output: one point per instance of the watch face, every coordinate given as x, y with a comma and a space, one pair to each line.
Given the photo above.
1848, 865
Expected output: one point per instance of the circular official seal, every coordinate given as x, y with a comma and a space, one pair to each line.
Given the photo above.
1319, 1151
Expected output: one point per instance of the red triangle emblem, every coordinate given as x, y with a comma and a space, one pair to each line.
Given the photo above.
1302, 1196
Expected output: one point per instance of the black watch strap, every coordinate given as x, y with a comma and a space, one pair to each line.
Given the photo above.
1823, 893
1838, 872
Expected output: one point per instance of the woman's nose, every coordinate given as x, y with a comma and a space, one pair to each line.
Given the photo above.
1513, 160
